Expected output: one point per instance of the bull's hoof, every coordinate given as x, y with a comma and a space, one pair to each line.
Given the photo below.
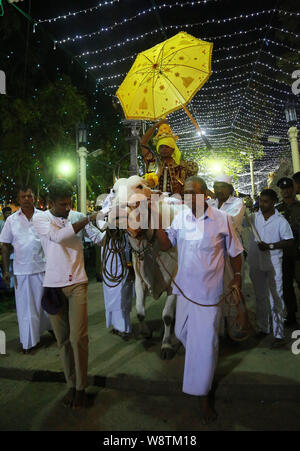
167, 320
140, 318
167, 353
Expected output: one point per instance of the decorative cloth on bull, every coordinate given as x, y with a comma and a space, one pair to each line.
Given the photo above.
172, 171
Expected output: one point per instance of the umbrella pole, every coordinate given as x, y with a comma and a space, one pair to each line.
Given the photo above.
207, 143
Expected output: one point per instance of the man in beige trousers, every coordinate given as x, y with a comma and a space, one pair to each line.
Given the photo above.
60, 231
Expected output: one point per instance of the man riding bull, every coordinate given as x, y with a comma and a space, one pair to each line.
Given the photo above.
172, 171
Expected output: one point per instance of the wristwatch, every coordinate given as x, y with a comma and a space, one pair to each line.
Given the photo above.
271, 246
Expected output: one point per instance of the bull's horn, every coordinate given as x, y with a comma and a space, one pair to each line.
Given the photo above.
115, 178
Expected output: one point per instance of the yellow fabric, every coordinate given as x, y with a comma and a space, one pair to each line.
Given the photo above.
170, 142
151, 179
165, 77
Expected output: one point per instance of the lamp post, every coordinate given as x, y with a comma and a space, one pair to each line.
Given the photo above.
291, 118
133, 139
82, 152
252, 176
251, 159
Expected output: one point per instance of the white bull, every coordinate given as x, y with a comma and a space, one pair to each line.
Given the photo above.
150, 274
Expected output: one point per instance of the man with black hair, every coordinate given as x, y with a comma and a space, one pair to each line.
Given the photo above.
235, 208
290, 209
29, 269
60, 231
271, 234
6, 212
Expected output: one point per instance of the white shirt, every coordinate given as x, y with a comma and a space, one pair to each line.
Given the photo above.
29, 257
234, 207
202, 244
275, 229
63, 248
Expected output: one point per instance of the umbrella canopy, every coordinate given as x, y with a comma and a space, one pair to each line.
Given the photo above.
165, 77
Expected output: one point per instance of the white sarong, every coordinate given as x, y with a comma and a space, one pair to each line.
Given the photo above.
118, 302
197, 329
32, 319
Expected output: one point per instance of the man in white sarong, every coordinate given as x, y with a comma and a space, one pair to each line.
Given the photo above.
265, 261
204, 236
118, 299
235, 208
29, 269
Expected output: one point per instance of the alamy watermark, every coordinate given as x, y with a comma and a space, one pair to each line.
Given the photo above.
296, 344
137, 212
2, 82
2, 342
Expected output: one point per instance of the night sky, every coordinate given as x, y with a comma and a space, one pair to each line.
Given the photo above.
245, 60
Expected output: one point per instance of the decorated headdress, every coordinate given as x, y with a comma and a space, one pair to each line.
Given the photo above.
166, 137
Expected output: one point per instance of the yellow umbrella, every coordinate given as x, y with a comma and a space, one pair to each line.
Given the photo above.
166, 77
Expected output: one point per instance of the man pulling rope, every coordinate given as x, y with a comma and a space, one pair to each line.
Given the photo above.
202, 238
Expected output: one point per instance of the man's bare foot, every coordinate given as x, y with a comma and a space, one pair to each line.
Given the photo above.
208, 413
80, 400
69, 398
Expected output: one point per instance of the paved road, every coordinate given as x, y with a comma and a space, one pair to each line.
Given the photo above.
133, 389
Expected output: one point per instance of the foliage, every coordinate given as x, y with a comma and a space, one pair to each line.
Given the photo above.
37, 131
231, 160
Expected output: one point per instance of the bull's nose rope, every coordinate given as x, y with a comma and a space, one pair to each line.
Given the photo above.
233, 298
112, 256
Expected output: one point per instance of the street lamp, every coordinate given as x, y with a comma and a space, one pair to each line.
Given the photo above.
65, 168
82, 135
82, 152
291, 118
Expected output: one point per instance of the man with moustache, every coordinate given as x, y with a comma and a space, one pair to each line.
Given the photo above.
203, 235
65, 298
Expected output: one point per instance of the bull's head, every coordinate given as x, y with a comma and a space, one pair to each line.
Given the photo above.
130, 205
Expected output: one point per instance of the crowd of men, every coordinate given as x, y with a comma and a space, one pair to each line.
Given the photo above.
51, 281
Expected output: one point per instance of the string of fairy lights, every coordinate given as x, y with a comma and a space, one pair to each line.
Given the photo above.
229, 106
169, 27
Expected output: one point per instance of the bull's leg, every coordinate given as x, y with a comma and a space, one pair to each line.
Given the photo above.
167, 348
140, 289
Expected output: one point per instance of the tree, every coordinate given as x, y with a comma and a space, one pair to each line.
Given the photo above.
228, 160
37, 132
39, 114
